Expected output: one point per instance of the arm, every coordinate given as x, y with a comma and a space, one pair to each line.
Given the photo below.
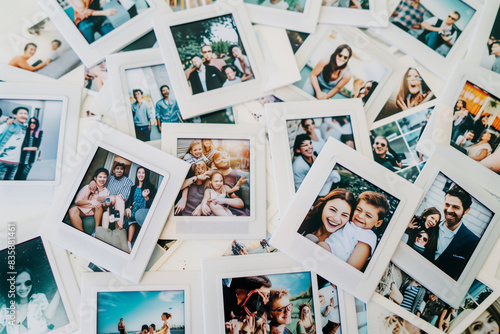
21, 63
359, 255
425, 25
51, 309
356, 4
483, 154
236, 186
320, 95
181, 205
205, 209
324, 245
244, 66
189, 71
441, 321
83, 198
345, 79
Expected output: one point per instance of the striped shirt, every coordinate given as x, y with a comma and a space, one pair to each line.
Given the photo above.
119, 186
409, 297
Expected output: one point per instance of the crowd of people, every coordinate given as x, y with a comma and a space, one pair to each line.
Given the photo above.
151, 329
114, 199
20, 141
211, 71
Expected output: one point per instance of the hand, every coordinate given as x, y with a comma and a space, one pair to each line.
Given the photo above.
240, 182
180, 206
9, 121
413, 224
92, 187
331, 301
233, 326
204, 176
220, 201
109, 12
197, 211
145, 193
128, 213
205, 209
321, 95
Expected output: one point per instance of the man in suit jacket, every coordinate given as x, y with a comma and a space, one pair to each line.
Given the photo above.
455, 243
204, 77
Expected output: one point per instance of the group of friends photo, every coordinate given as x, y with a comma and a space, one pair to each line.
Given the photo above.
476, 126
113, 200
212, 54
275, 304
218, 182
139, 312
350, 219
403, 290
338, 69
22, 126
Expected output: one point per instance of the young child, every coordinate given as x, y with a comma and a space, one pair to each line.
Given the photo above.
194, 153
216, 189
355, 242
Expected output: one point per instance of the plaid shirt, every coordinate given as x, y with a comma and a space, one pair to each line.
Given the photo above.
407, 15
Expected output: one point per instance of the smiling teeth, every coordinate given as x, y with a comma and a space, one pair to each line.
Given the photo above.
332, 223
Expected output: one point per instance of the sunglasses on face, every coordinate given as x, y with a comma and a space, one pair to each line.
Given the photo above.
27, 283
381, 144
422, 237
287, 308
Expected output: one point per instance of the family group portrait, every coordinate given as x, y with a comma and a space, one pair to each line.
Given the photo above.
29, 139
277, 304
491, 55
218, 182
412, 92
96, 18
290, 5
153, 102
113, 200
141, 312
38, 304
339, 69
436, 24
350, 219
447, 226
355, 4
402, 289
329, 307
476, 126
394, 144
212, 53
307, 137
44, 52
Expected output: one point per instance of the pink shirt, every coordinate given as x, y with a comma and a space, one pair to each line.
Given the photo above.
96, 199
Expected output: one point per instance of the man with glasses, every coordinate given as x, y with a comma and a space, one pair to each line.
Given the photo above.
381, 156
280, 311
438, 32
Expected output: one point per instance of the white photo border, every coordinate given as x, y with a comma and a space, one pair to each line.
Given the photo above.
277, 114
130, 266
288, 240
375, 16
251, 227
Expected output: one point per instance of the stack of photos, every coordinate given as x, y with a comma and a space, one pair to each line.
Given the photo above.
113, 200
476, 126
146, 311
218, 182
31, 300
212, 53
410, 295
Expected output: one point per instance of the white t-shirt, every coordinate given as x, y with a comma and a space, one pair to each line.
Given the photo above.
343, 241
318, 144
433, 20
280, 5
237, 63
202, 73
228, 83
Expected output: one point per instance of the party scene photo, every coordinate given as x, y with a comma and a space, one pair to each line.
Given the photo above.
94, 19
338, 69
355, 4
218, 183
29, 139
412, 92
290, 5
394, 144
329, 308
113, 200
437, 24
153, 102
491, 55
307, 137
142, 312
447, 226
37, 300
277, 304
45, 52
349, 217
476, 126
212, 53
400, 288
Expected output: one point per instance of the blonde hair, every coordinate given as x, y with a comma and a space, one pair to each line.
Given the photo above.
208, 183
193, 143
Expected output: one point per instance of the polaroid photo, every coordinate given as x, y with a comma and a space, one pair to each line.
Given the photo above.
299, 15
383, 321
219, 197
296, 141
394, 142
436, 34
37, 298
468, 119
95, 29
356, 319
250, 292
403, 295
37, 135
223, 34
487, 321
144, 97
348, 235
456, 208
359, 13
487, 40
116, 203
343, 63
38, 48
164, 302
296, 39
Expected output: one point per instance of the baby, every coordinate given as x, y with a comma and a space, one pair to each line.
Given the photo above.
355, 242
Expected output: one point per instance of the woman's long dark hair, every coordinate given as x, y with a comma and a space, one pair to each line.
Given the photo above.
331, 67
146, 184
430, 231
313, 222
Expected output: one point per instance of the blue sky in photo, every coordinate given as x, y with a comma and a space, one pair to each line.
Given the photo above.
442, 8
296, 282
138, 308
